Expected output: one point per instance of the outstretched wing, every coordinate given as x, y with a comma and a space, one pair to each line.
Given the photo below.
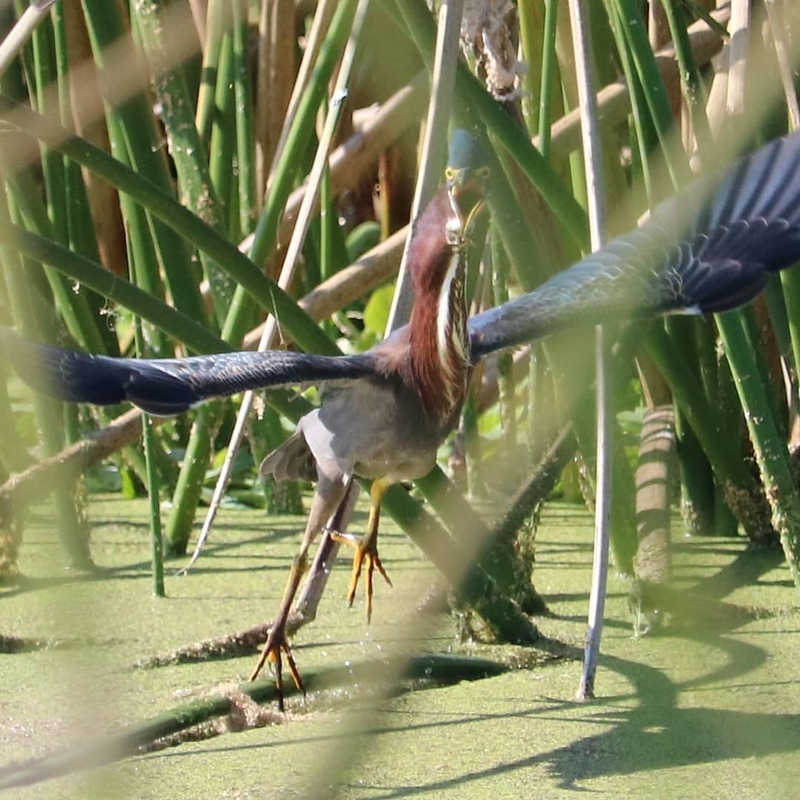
709, 249
170, 386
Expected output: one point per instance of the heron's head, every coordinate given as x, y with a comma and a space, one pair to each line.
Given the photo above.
467, 175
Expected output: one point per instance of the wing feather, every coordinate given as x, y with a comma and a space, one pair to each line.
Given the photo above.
170, 386
709, 249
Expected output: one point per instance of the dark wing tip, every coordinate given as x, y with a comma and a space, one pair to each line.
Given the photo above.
82, 378
165, 387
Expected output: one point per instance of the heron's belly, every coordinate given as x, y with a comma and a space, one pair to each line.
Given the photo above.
396, 463
375, 431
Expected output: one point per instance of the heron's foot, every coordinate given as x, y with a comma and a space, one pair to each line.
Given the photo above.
366, 553
275, 648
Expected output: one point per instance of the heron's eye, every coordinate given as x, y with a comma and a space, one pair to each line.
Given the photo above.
450, 173
483, 173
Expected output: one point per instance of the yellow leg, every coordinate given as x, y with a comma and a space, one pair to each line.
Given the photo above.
367, 548
276, 644
326, 500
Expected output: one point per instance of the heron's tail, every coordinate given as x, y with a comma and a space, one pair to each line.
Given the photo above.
292, 461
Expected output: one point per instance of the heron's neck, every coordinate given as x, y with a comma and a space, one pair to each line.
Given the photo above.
439, 358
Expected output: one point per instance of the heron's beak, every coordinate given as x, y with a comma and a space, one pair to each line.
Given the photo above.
467, 194
473, 214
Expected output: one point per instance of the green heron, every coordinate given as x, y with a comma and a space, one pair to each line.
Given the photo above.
422, 378
385, 427
387, 410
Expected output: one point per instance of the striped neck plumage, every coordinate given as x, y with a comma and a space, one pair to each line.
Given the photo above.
440, 360
451, 328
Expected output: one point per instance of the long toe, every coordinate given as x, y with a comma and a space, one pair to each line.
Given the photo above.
373, 563
376, 558
355, 574
366, 555
275, 648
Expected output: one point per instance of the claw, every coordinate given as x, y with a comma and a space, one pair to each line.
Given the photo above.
276, 645
275, 648
366, 551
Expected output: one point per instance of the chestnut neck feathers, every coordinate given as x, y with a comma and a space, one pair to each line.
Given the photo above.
438, 346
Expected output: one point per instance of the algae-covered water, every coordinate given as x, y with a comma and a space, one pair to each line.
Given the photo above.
711, 711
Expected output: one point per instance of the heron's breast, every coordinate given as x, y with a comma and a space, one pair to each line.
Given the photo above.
380, 429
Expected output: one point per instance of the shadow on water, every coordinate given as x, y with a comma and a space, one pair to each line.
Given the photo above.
656, 734
675, 703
